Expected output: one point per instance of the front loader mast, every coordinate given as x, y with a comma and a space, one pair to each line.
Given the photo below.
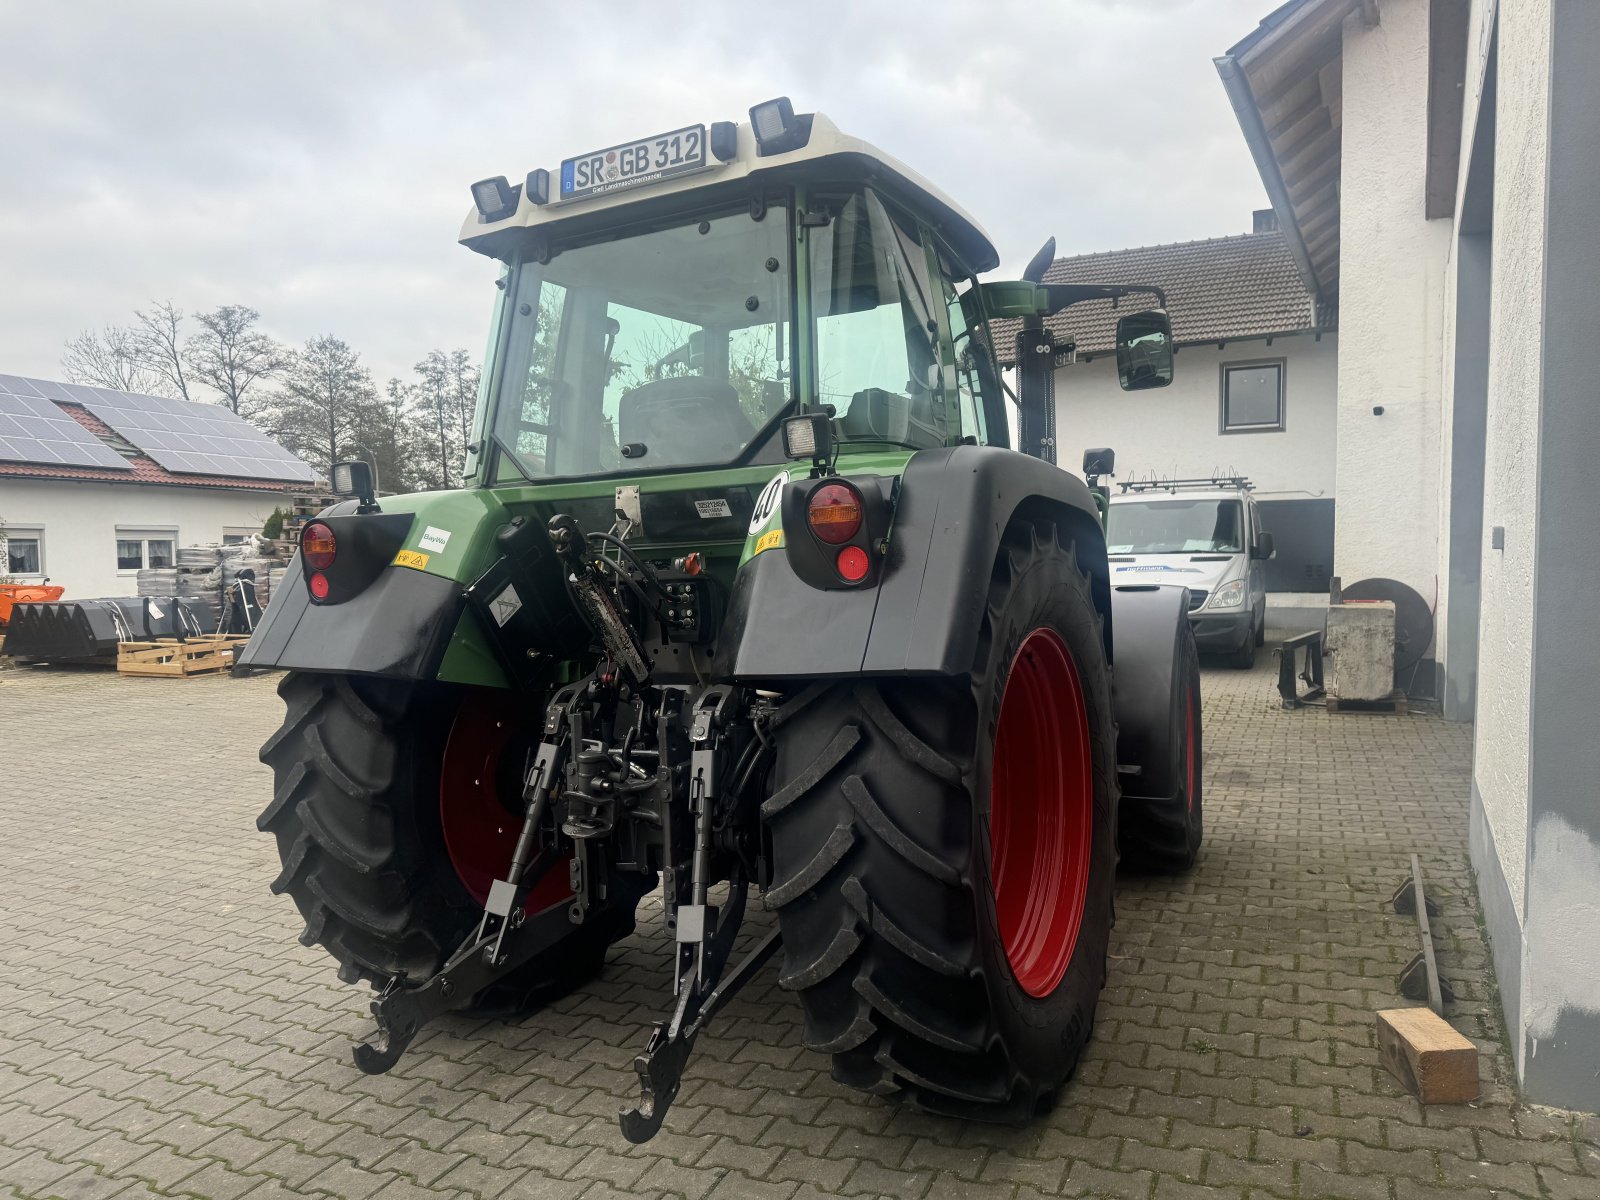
629, 776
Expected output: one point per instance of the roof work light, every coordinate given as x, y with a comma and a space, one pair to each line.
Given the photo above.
495, 199
777, 129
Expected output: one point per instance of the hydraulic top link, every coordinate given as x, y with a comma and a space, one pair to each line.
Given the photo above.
595, 600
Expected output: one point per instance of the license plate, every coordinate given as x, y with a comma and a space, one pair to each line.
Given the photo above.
632, 164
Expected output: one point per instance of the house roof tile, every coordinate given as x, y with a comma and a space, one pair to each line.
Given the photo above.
1219, 289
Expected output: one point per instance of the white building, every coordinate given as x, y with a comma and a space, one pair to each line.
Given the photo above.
87, 506
1435, 169
1254, 392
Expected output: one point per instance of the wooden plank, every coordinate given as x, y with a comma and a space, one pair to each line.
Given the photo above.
1432, 1061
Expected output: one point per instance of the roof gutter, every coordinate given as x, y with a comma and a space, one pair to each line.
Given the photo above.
1255, 136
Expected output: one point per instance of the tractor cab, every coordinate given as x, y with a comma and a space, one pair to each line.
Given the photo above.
664, 304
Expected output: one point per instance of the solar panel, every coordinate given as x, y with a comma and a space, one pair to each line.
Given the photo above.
192, 439
33, 430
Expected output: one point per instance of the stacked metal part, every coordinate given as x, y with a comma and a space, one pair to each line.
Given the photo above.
63, 630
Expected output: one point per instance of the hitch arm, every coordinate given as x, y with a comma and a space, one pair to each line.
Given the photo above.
402, 1011
661, 1065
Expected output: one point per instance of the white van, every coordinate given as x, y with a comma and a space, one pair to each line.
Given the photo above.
1206, 535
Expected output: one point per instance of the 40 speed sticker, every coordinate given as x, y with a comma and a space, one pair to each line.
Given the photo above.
767, 502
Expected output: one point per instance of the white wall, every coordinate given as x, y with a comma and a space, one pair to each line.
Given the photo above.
1173, 431
1391, 309
1505, 645
80, 519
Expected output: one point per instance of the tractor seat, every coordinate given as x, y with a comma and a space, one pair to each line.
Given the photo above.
684, 420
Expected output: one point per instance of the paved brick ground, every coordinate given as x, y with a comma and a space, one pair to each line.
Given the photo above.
162, 1032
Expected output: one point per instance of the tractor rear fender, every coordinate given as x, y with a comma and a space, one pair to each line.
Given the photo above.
397, 604
952, 510
1150, 661
386, 621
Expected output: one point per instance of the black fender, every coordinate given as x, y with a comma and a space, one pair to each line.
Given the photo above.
396, 627
1150, 623
952, 509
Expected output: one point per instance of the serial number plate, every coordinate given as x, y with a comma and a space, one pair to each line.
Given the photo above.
649, 160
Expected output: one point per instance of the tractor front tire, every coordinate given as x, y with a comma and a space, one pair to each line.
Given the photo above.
1162, 834
357, 816
944, 854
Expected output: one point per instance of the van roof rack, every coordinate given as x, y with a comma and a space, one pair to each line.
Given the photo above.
1236, 482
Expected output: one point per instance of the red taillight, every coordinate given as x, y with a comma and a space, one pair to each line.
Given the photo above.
852, 564
834, 513
319, 586
318, 546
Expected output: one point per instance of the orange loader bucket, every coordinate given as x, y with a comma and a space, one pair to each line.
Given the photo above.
25, 593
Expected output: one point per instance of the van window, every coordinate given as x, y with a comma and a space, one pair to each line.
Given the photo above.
1175, 527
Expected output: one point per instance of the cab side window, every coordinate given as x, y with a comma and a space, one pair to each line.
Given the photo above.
967, 382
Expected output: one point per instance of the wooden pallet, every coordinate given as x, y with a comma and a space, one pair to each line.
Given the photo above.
1394, 703
206, 655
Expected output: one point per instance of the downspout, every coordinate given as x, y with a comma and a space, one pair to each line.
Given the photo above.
1255, 136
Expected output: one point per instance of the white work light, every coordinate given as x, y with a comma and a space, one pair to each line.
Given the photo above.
776, 127
809, 435
495, 198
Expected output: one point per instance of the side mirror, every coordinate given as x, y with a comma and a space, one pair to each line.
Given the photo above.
1263, 545
1144, 350
1102, 461
354, 479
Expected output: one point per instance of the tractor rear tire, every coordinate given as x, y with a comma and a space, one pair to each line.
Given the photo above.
937, 956
1162, 835
357, 816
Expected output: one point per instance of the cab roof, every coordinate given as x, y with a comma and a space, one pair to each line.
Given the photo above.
826, 146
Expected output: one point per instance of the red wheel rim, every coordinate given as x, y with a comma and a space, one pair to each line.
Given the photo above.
479, 799
1191, 729
1041, 812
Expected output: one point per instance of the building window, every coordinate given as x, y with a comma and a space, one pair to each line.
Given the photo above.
232, 535
1252, 396
141, 548
24, 551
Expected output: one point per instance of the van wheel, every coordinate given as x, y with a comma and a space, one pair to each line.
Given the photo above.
1245, 656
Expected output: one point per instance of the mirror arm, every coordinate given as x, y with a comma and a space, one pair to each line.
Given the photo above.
1064, 295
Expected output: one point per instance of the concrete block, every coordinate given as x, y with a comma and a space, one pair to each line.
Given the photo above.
1361, 637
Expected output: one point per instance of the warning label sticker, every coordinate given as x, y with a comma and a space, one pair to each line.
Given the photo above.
412, 559
505, 605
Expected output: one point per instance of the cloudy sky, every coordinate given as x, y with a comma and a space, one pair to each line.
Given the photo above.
311, 159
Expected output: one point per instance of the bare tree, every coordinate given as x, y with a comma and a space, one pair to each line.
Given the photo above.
465, 378
157, 344
231, 355
433, 394
325, 403
107, 358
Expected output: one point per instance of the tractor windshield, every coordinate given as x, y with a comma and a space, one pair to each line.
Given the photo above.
659, 349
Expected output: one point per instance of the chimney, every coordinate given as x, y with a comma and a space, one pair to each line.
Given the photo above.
1264, 220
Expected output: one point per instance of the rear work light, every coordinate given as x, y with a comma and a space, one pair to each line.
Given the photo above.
318, 546
834, 513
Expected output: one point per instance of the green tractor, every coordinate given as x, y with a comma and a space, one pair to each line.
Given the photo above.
747, 592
